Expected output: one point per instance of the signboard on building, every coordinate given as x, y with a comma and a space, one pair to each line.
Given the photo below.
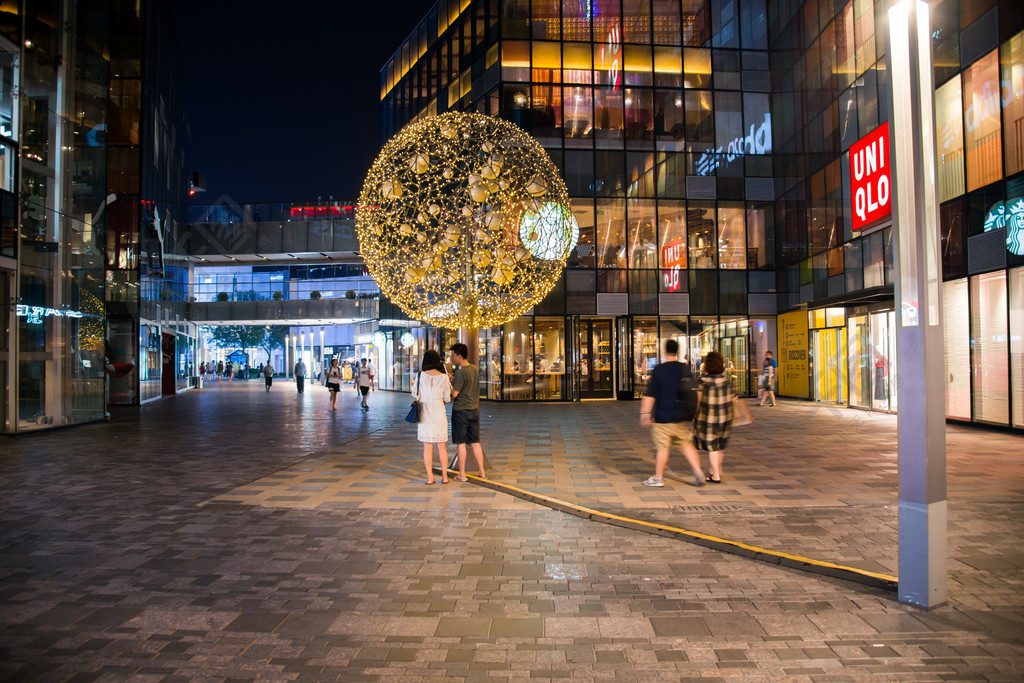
870, 182
673, 256
793, 367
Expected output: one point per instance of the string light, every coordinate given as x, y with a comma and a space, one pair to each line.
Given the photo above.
464, 221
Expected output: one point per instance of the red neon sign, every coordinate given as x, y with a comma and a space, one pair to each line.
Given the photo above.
673, 256
305, 212
870, 182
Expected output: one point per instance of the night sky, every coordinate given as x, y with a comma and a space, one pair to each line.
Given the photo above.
282, 98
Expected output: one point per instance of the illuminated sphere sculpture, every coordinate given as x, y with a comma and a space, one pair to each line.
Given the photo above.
463, 221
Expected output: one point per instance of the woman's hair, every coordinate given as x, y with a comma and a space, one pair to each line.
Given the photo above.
431, 361
714, 364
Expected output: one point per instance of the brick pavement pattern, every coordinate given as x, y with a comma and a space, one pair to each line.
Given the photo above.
232, 534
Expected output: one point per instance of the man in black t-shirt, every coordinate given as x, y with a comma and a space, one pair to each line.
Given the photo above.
668, 408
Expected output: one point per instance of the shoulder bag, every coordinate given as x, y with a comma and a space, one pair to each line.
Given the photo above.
416, 410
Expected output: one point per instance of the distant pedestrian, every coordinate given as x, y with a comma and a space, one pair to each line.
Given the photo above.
769, 375
466, 409
363, 381
714, 414
333, 377
300, 376
369, 366
220, 370
668, 407
433, 389
268, 375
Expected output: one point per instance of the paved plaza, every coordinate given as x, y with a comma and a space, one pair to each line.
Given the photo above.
233, 534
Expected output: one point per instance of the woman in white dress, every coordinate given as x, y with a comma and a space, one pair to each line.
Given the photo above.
433, 389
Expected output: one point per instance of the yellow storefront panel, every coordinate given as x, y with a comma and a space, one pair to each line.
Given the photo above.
793, 368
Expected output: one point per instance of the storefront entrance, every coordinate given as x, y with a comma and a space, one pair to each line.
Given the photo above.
829, 347
872, 360
594, 344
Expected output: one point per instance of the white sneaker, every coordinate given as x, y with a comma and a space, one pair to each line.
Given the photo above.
654, 481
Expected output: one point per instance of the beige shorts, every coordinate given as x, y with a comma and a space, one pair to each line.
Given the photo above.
669, 434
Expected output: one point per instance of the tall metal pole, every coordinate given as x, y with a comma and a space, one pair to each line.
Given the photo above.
919, 340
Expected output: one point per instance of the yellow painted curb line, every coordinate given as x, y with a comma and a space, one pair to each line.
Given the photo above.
797, 561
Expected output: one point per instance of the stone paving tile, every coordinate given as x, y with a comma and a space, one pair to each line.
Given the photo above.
126, 554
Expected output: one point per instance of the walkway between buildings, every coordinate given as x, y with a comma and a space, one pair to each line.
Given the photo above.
232, 533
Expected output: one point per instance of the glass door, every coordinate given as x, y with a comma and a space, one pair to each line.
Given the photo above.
595, 349
733, 344
830, 365
624, 359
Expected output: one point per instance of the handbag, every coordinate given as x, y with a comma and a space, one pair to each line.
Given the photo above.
741, 414
416, 409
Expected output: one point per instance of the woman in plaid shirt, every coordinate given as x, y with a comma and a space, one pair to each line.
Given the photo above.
714, 413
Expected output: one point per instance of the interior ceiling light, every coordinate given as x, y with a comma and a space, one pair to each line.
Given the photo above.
464, 221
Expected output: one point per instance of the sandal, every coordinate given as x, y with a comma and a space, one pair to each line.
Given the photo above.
714, 481
461, 478
428, 483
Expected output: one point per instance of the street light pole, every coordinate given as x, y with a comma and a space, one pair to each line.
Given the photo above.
919, 341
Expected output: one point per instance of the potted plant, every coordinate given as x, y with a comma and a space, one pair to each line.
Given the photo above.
222, 296
314, 295
350, 294
278, 296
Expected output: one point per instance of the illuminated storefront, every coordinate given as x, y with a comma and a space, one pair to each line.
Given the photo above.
728, 167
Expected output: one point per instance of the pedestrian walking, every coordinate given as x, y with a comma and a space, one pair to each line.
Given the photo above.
220, 370
300, 376
668, 408
714, 414
333, 377
466, 409
433, 389
769, 374
268, 375
363, 381
369, 366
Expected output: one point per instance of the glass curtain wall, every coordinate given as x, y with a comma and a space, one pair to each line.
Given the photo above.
1017, 345
956, 332
990, 362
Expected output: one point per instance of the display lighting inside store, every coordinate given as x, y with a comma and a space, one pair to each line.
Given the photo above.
464, 221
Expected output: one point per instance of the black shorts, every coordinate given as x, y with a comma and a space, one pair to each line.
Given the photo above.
333, 386
466, 426
364, 390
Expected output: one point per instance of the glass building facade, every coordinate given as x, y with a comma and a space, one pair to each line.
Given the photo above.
66, 118
705, 146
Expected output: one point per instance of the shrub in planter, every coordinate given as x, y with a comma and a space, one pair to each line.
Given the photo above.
222, 296
278, 296
350, 294
314, 295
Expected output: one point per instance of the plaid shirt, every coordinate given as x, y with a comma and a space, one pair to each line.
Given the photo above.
714, 418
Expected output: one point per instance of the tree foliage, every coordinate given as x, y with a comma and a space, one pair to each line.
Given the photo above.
265, 337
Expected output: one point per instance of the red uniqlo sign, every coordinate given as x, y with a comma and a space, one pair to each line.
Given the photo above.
869, 177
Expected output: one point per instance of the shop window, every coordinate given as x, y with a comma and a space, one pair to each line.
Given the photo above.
645, 352
584, 255
989, 348
1016, 344
549, 355
696, 20
1012, 83
578, 116
643, 240
671, 174
982, 122
611, 281
575, 20
643, 291
672, 232
608, 118
668, 67
701, 243
957, 342
577, 66
546, 115
639, 119
515, 60
732, 238
700, 129
640, 180
609, 173
703, 333
697, 65
760, 237
667, 24
668, 119
636, 62
954, 239
949, 131
544, 20
518, 360
547, 62
611, 233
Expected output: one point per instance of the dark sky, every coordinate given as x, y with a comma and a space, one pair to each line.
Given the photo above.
283, 98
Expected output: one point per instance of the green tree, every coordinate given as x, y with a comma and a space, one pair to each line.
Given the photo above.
265, 337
